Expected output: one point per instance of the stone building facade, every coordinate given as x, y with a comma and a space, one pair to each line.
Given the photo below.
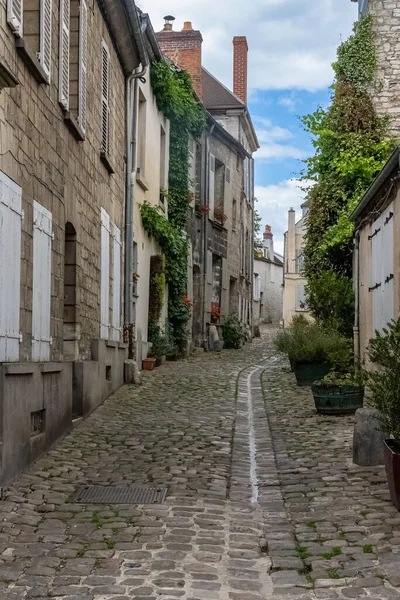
268, 282
386, 23
294, 282
63, 68
220, 222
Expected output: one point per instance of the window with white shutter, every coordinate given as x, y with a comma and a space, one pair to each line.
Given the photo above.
301, 303
64, 53
10, 268
41, 292
83, 51
105, 96
105, 276
15, 16
211, 187
45, 36
388, 265
116, 314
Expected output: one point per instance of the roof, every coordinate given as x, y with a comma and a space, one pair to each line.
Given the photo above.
277, 261
216, 95
380, 180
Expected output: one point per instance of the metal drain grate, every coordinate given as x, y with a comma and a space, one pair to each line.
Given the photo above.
102, 494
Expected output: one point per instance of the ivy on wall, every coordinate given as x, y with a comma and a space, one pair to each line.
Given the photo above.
176, 100
351, 146
156, 291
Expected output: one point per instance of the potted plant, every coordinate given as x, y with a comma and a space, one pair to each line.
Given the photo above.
309, 348
159, 345
215, 312
233, 333
341, 391
384, 386
219, 216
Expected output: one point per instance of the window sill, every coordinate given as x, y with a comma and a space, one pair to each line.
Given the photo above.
30, 60
105, 159
7, 77
74, 127
141, 181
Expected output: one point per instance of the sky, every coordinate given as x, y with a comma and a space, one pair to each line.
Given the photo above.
292, 44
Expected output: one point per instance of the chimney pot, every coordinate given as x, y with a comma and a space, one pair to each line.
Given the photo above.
187, 26
169, 20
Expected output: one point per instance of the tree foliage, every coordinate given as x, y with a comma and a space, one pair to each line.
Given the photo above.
351, 146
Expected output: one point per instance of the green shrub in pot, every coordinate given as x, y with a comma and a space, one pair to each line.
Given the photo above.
384, 385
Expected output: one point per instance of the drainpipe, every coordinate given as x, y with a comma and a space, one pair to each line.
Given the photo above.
357, 299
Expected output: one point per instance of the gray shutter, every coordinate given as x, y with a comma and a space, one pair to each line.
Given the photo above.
388, 265
83, 45
45, 36
105, 94
376, 276
15, 12
10, 268
105, 276
116, 314
211, 191
64, 53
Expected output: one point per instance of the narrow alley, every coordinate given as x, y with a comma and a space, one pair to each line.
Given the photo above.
263, 500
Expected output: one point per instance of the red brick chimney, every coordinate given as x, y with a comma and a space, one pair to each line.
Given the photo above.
240, 49
184, 49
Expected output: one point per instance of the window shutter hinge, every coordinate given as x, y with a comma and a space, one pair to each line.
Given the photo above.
22, 214
52, 235
20, 338
51, 341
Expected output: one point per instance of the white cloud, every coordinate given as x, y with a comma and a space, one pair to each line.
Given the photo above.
289, 102
274, 202
292, 42
273, 141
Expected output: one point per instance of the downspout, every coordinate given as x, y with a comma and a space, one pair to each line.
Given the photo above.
206, 220
357, 299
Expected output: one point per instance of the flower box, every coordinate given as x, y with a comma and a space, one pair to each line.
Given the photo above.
148, 364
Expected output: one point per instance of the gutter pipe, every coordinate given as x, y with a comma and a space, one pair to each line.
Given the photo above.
206, 220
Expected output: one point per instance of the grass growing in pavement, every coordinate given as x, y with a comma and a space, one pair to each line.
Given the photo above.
335, 552
333, 574
311, 524
302, 553
368, 549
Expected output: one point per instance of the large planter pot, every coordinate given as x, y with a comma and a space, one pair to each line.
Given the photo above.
392, 462
148, 364
337, 399
307, 373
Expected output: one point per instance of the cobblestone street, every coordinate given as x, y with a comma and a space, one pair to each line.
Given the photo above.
263, 501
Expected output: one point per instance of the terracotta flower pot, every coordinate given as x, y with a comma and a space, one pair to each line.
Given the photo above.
148, 364
392, 462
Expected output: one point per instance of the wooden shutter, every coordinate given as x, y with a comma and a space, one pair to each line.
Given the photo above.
388, 265
64, 53
83, 46
246, 177
211, 187
105, 276
41, 294
15, 11
116, 314
192, 167
45, 36
376, 287
10, 268
105, 93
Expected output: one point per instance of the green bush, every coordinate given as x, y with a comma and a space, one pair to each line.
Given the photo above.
161, 343
330, 298
233, 333
384, 384
311, 344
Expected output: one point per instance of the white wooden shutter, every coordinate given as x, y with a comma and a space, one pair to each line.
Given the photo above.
116, 314
64, 53
376, 287
211, 190
105, 276
10, 268
246, 177
105, 94
41, 293
45, 36
83, 46
15, 13
388, 265
192, 167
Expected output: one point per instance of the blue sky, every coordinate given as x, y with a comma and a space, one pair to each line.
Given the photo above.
292, 44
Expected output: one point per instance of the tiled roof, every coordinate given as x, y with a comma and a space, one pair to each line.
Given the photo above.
216, 95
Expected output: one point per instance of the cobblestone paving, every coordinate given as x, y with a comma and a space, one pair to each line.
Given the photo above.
345, 530
263, 499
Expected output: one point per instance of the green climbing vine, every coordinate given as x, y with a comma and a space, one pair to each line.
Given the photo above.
351, 146
176, 100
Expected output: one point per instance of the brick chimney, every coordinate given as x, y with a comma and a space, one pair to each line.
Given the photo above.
184, 49
268, 243
240, 50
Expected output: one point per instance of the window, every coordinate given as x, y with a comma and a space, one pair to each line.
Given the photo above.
35, 43
234, 214
105, 276
219, 181
299, 261
301, 304
198, 177
82, 81
363, 7
256, 290
141, 137
10, 268
64, 53
41, 293
163, 183
105, 99
217, 280
116, 314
